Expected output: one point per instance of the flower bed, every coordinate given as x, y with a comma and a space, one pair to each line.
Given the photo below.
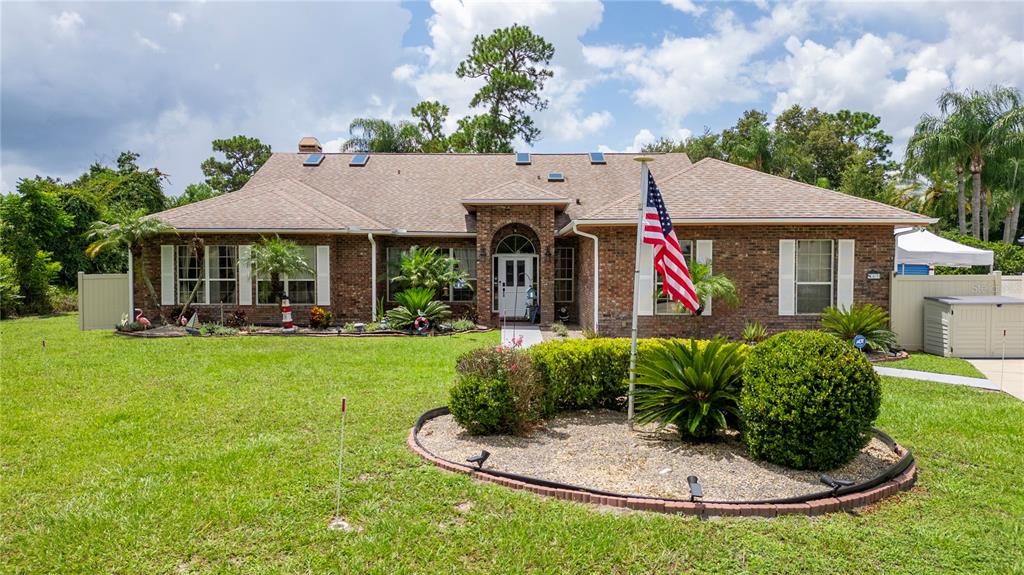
165, 331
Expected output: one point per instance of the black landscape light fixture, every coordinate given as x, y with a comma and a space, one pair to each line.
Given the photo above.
696, 490
834, 483
479, 459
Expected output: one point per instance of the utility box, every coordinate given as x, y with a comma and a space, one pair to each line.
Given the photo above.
989, 326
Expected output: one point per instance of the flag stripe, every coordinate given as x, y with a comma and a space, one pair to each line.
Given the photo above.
668, 255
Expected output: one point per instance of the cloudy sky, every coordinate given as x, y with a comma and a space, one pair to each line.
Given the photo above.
82, 81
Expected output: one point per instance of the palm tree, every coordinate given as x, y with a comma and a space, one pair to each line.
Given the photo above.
974, 125
127, 230
930, 151
708, 286
380, 135
275, 257
429, 268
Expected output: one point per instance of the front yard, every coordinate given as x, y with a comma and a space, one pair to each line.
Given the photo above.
219, 455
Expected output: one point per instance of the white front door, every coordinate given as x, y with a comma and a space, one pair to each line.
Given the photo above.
513, 284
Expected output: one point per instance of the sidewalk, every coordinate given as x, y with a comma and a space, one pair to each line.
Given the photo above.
529, 332
1008, 378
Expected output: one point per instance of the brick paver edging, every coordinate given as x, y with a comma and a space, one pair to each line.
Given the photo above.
846, 502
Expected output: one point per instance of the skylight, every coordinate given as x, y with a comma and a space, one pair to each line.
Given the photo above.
359, 160
522, 159
597, 158
556, 177
313, 160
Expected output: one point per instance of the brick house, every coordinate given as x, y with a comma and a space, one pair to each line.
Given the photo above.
554, 229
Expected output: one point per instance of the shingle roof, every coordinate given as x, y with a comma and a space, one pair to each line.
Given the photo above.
415, 192
712, 190
516, 191
436, 192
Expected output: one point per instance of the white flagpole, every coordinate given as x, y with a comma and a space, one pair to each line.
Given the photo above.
636, 278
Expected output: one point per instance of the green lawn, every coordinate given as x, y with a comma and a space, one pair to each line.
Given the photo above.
936, 364
218, 456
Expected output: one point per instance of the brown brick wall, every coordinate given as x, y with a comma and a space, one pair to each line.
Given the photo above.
748, 255
492, 224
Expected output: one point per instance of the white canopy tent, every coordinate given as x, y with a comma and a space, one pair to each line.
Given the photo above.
918, 246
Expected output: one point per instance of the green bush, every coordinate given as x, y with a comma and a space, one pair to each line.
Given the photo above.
496, 391
62, 299
868, 320
464, 324
694, 387
808, 400
10, 291
587, 373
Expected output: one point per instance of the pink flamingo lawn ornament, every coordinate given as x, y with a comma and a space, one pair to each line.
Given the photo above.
145, 323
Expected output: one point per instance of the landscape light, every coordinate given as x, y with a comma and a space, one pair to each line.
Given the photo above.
695, 489
479, 459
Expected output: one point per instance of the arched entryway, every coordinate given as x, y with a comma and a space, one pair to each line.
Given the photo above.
515, 274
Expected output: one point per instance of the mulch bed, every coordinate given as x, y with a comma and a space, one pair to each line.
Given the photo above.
596, 449
165, 331
879, 357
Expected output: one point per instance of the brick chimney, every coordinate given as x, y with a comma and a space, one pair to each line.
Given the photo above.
310, 145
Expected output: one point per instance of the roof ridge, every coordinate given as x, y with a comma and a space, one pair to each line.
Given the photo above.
337, 202
805, 184
322, 216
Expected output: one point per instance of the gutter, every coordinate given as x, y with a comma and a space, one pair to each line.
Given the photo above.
326, 232
597, 270
373, 276
755, 221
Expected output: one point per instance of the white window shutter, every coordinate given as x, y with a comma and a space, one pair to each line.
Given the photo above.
244, 275
703, 255
844, 285
646, 284
787, 277
166, 275
323, 275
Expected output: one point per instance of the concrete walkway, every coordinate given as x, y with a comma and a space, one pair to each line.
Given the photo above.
999, 376
1007, 375
529, 332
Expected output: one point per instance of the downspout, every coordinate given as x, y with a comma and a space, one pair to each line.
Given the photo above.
373, 277
597, 269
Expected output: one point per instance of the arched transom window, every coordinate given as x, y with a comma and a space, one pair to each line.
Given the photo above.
515, 244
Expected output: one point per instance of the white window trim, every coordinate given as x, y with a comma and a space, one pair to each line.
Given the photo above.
796, 276
207, 280
179, 297
657, 285
572, 274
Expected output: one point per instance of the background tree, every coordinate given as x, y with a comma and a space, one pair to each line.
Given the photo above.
194, 193
511, 62
126, 231
243, 156
31, 224
126, 187
379, 135
430, 136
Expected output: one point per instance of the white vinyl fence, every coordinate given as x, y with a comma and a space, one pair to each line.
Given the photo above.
907, 300
102, 300
1013, 286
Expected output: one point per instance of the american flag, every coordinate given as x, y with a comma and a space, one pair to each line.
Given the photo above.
668, 256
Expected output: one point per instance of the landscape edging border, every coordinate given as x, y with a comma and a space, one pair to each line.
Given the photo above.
842, 500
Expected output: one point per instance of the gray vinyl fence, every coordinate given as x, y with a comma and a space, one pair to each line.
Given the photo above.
102, 300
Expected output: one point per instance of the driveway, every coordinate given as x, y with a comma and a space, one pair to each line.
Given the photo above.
1007, 375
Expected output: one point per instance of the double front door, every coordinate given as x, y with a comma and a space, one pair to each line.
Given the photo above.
515, 278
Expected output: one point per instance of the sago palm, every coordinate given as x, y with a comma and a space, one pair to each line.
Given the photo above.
127, 231
868, 320
692, 386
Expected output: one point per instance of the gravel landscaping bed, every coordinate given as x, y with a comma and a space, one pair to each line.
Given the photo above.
596, 449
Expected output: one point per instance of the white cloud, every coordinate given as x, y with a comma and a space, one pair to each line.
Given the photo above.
176, 20
452, 29
67, 23
686, 6
569, 127
683, 75
147, 43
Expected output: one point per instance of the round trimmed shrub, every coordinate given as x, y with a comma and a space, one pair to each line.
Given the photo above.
808, 400
496, 391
